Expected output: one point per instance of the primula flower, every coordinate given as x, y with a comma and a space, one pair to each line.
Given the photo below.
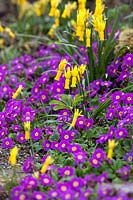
80, 157
129, 157
80, 122
13, 155
53, 194
36, 134
128, 59
29, 182
94, 162
88, 123
124, 172
128, 98
46, 180
38, 195
21, 138
7, 143
74, 148
28, 165
66, 171
46, 145
63, 146
121, 133
99, 154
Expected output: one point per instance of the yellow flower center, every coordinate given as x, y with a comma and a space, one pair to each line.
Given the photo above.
94, 161
63, 188
66, 136
67, 172
45, 180
75, 183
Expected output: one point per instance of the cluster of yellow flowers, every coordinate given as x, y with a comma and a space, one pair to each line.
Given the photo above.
98, 20
38, 7
76, 73
55, 12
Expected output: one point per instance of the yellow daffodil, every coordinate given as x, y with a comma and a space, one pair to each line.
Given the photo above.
13, 156
49, 160
27, 130
61, 67
111, 145
76, 115
74, 74
67, 76
88, 35
18, 91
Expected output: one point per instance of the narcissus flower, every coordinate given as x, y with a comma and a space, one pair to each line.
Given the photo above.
49, 160
111, 145
61, 67
27, 130
77, 113
13, 155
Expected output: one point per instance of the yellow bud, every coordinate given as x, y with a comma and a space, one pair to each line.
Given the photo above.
17, 92
76, 115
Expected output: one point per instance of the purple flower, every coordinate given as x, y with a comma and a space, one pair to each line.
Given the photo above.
129, 157
7, 143
63, 187
16, 128
117, 96
121, 133
21, 138
69, 195
46, 180
80, 157
22, 195
16, 191
102, 177
74, 148
36, 134
38, 195
29, 182
46, 145
89, 123
28, 165
128, 98
124, 172
76, 183
66, 171
3, 132
80, 123
128, 59
94, 162
43, 96
110, 114
99, 154
54, 145
53, 194
65, 113
63, 145
66, 135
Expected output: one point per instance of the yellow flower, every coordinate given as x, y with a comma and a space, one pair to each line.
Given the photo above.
57, 17
88, 35
54, 5
81, 69
13, 156
74, 73
10, 33
69, 9
49, 160
27, 130
111, 145
17, 92
61, 67
67, 76
76, 115
52, 30
1, 29
36, 175
99, 26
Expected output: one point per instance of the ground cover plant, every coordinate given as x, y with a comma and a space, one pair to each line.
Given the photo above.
66, 102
